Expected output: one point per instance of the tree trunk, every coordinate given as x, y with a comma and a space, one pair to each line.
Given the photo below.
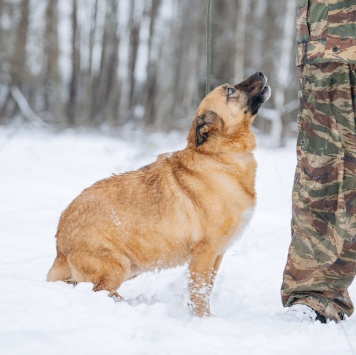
88, 99
52, 83
18, 62
108, 67
73, 88
112, 99
195, 60
282, 74
150, 89
134, 28
259, 34
240, 40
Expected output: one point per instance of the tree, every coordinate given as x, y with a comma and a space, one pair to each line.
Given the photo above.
240, 42
18, 61
282, 74
52, 80
73, 89
106, 93
150, 86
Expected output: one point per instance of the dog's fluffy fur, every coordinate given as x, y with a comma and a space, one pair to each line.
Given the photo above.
185, 207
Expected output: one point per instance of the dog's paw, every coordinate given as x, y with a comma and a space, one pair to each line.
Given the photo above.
201, 312
115, 296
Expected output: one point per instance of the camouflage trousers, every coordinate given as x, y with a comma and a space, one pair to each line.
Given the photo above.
321, 260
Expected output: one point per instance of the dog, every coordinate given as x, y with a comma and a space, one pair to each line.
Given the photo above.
186, 207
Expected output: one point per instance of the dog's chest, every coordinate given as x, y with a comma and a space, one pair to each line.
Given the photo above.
231, 196
239, 228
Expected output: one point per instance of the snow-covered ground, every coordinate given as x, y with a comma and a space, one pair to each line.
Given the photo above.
41, 172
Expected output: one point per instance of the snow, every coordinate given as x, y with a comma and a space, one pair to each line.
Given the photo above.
41, 172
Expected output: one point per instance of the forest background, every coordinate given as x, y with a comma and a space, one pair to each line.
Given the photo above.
107, 63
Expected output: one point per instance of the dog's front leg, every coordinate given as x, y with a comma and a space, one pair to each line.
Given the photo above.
216, 267
200, 284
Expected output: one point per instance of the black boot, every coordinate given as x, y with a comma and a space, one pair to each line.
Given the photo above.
320, 318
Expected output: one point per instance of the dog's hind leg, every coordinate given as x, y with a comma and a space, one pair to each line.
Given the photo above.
60, 270
105, 272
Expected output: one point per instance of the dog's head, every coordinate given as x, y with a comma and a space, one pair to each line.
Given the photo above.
228, 111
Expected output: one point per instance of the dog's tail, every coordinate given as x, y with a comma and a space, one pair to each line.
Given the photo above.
60, 270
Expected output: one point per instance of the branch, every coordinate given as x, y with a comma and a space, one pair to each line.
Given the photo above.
25, 107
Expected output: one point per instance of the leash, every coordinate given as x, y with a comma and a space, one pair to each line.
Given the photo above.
208, 49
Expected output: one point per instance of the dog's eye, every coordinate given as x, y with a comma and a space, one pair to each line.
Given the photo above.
230, 91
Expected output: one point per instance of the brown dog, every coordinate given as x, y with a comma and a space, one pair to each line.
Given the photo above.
185, 207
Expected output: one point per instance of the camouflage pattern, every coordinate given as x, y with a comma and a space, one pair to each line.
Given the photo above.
322, 255
326, 31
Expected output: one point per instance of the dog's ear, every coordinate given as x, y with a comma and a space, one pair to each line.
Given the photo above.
203, 127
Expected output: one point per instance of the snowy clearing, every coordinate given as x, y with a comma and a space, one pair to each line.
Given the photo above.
42, 172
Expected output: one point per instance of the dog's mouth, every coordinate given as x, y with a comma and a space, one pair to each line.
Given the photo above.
257, 91
265, 93
256, 101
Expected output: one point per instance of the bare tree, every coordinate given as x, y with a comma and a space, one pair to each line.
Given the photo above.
134, 28
240, 40
191, 91
73, 88
282, 75
107, 88
259, 34
52, 79
150, 87
111, 109
18, 62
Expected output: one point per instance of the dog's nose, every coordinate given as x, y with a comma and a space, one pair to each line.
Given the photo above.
260, 74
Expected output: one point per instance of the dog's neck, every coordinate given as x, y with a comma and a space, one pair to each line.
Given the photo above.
242, 140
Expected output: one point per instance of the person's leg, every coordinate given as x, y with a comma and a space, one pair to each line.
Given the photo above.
326, 290
346, 221
321, 258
